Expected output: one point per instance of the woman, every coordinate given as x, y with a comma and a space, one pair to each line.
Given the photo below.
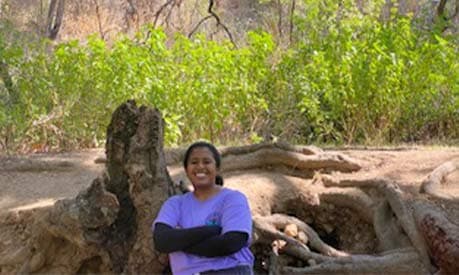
207, 231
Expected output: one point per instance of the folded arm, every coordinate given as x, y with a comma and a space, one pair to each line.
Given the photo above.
221, 245
168, 239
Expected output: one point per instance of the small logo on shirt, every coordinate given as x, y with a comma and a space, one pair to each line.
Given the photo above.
214, 219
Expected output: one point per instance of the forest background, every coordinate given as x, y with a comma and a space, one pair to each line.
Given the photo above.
233, 72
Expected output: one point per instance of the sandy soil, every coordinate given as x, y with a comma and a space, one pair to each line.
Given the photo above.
39, 180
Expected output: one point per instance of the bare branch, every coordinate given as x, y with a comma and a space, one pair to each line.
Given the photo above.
219, 23
161, 9
199, 24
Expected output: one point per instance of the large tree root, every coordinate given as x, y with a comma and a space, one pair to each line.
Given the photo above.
329, 259
269, 226
297, 161
389, 223
274, 156
398, 262
432, 184
348, 181
241, 150
441, 235
390, 215
352, 198
387, 228
397, 225
393, 195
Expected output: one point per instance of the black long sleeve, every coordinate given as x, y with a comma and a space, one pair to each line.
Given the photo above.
168, 239
221, 245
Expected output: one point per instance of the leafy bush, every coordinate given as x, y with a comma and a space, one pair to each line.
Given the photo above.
348, 78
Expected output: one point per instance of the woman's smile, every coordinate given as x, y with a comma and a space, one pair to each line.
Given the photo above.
201, 168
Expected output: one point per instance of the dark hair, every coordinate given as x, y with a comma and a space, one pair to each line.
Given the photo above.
212, 149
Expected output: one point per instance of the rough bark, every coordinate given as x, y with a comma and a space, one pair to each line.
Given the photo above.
55, 16
441, 235
106, 228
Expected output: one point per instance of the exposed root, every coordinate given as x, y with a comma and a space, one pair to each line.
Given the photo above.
431, 185
333, 181
442, 236
275, 156
387, 228
19, 164
305, 150
175, 155
352, 198
329, 259
393, 195
269, 226
397, 261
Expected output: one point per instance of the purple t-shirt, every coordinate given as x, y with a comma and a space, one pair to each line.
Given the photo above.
229, 209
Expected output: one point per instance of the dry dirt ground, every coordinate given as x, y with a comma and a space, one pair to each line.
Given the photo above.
38, 180
35, 181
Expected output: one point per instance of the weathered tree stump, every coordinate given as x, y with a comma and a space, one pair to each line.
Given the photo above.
106, 228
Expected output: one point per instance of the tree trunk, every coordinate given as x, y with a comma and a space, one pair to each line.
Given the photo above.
55, 16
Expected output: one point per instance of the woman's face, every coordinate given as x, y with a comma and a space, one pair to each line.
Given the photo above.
201, 167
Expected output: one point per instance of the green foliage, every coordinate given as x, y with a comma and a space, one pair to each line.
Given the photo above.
203, 88
348, 78
370, 81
